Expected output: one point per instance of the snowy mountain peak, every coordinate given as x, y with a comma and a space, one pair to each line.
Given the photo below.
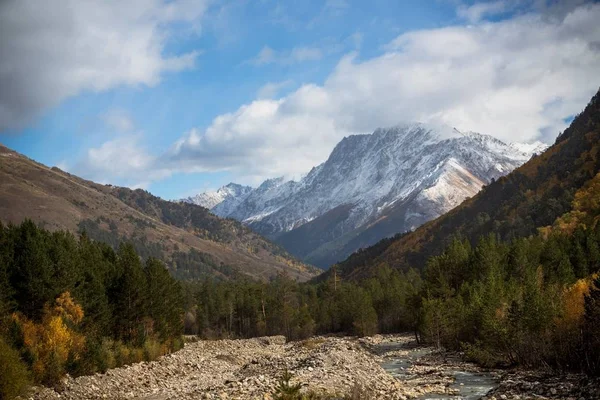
536, 147
212, 199
373, 186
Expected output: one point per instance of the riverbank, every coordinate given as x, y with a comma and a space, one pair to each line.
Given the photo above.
379, 367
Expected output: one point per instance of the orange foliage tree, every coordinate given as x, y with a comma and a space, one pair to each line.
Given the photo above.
54, 341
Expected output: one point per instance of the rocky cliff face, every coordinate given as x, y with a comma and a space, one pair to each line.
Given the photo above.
374, 186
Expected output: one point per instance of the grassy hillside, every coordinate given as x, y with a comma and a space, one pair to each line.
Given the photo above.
193, 242
531, 197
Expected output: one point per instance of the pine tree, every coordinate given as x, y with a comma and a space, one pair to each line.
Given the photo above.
31, 270
91, 292
164, 303
130, 296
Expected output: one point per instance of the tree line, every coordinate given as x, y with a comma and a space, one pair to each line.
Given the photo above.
245, 308
72, 305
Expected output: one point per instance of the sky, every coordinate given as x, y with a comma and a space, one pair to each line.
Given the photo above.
182, 96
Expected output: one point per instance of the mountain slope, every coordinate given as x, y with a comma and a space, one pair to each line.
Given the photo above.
531, 197
374, 186
193, 241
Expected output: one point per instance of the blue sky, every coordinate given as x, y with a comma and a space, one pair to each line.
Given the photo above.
184, 96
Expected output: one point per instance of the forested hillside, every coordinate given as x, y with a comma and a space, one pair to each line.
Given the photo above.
198, 220
531, 197
72, 305
193, 242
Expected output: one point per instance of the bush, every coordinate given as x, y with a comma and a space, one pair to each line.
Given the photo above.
152, 350
14, 376
287, 391
482, 356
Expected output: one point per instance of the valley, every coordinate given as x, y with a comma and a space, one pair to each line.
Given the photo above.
300, 200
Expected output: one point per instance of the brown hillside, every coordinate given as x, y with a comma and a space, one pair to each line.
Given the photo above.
192, 241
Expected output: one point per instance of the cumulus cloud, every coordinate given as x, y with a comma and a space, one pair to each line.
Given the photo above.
516, 79
123, 159
61, 48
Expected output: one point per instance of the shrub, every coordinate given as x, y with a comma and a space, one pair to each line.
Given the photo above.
152, 350
107, 352
14, 376
482, 356
285, 390
122, 354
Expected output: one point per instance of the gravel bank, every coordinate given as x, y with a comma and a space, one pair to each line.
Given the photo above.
240, 369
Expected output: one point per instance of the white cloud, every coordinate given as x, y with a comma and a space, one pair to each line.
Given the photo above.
58, 49
123, 159
515, 79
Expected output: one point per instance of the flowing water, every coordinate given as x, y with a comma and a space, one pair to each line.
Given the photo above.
469, 385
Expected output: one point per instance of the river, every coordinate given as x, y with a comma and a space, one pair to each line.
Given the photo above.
415, 365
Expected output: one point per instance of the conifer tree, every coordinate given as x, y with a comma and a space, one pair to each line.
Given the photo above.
130, 295
31, 270
164, 304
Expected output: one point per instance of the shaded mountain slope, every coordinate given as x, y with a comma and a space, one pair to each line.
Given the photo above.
192, 241
531, 197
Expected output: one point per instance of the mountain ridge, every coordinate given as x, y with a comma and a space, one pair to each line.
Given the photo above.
368, 178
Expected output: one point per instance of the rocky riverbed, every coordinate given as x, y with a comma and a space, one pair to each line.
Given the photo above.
380, 367
240, 369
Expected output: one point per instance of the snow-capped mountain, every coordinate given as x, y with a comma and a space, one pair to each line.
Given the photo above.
374, 186
226, 196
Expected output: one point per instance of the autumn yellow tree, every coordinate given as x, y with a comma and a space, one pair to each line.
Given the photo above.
54, 341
